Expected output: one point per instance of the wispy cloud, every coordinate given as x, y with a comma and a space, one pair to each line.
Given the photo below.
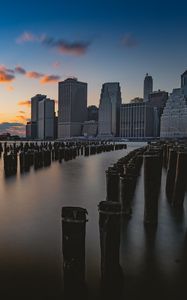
20, 70
26, 37
22, 112
6, 77
34, 74
65, 47
24, 103
9, 88
13, 128
49, 79
129, 41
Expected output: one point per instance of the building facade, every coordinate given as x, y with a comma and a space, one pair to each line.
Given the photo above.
109, 109
72, 103
34, 111
148, 87
137, 121
90, 128
46, 119
92, 113
31, 130
158, 99
174, 117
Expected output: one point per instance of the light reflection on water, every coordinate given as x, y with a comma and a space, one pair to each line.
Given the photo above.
30, 231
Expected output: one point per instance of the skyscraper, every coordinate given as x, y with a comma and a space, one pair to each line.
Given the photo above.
46, 115
174, 117
72, 101
34, 112
148, 87
109, 109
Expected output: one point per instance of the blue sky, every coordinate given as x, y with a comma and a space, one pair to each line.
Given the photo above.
96, 41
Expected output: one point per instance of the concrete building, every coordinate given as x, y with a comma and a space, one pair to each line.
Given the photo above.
137, 120
158, 99
31, 130
93, 113
46, 119
174, 117
184, 83
34, 111
109, 109
90, 128
72, 103
148, 86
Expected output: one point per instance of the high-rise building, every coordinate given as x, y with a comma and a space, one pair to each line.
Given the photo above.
158, 99
174, 117
72, 103
137, 120
184, 83
46, 115
148, 86
109, 109
92, 113
31, 130
34, 111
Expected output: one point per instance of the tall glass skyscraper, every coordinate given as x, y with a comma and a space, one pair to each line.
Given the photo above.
148, 87
109, 109
72, 105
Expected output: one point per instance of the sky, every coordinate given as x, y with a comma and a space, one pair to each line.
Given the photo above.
43, 42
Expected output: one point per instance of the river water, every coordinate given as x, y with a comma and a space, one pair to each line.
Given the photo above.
154, 264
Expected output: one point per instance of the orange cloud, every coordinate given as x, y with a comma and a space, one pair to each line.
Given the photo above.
21, 112
49, 79
9, 88
5, 77
24, 103
34, 75
21, 119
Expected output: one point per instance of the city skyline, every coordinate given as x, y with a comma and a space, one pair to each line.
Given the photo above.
51, 42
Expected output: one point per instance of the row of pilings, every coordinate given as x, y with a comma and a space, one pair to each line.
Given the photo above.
121, 179
41, 154
119, 196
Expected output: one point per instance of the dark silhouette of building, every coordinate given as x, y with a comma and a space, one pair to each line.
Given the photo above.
93, 113
72, 105
184, 83
148, 87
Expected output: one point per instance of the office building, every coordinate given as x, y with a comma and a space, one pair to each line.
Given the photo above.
72, 103
46, 119
109, 110
158, 99
174, 117
31, 130
92, 113
34, 111
137, 120
90, 128
148, 86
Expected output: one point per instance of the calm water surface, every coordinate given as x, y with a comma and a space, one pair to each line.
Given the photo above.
154, 264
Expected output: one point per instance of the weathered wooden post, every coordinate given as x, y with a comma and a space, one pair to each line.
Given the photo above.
180, 180
126, 194
171, 171
73, 248
112, 184
151, 187
109, 226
